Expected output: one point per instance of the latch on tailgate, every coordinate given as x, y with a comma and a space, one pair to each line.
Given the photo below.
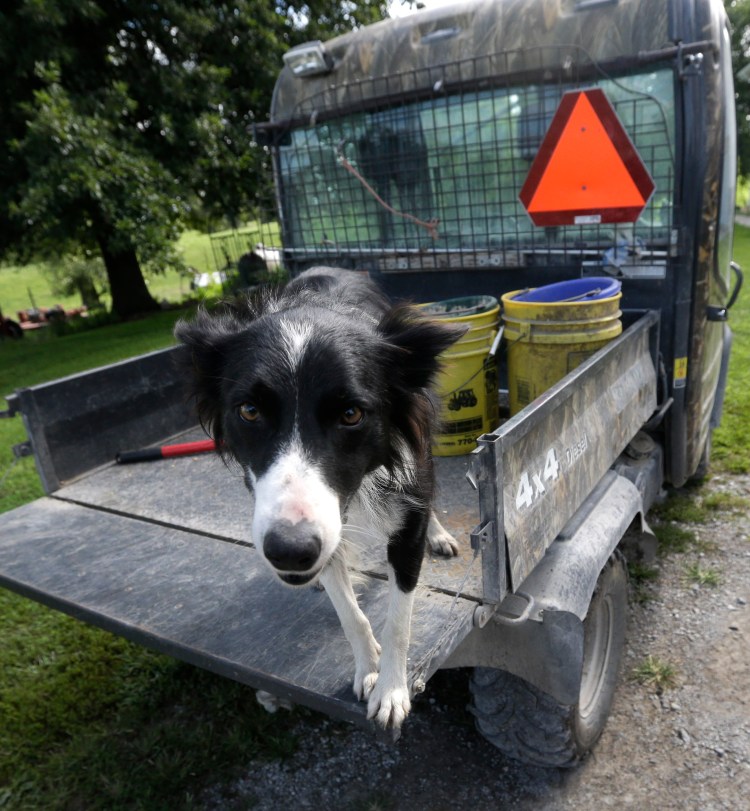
482, 535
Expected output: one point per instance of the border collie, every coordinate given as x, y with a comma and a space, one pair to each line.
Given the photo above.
320, 391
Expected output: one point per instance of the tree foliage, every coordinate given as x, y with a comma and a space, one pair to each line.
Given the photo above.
123, 120
77, 274
739, 18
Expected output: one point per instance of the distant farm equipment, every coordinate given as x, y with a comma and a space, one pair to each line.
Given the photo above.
37, 318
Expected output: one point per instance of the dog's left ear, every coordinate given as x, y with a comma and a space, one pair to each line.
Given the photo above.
418, 341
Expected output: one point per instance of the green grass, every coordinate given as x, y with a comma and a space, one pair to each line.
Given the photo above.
682, 506
693, 506
642, 576
731, 441
702, 575
196, 251
725, 502
675, 539
88, 720
656, 673
20, 286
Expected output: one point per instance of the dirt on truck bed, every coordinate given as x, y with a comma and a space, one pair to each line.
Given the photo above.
678, 741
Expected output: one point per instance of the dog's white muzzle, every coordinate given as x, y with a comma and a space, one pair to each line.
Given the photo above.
297, 519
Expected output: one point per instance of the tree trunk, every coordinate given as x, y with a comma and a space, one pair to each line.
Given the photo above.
130, 296
88, 293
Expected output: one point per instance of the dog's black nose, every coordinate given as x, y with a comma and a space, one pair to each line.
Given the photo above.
292, 547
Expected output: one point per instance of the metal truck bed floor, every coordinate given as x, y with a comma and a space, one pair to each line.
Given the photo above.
159, 553
200, 494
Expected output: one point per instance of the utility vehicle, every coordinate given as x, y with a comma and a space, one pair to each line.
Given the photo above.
402, 150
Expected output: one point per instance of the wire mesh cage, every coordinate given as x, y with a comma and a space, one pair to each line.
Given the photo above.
422, 170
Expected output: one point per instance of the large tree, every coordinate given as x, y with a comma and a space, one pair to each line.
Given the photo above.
120, 120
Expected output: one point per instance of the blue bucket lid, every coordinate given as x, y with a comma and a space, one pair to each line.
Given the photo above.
589, 289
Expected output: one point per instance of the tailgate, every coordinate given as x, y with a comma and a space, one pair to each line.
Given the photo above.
208, 602
160, 553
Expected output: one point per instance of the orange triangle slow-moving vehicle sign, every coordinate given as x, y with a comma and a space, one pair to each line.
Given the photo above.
587, 170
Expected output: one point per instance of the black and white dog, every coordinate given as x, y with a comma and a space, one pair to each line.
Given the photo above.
320, 391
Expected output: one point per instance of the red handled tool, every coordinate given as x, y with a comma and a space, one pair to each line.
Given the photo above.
165, 451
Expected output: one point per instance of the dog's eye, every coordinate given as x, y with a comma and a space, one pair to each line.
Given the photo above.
351, 416
248, 412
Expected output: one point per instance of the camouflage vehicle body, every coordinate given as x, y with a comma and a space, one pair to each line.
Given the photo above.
511, 36
477, 49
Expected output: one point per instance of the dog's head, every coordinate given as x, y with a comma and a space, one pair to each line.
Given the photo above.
309, 399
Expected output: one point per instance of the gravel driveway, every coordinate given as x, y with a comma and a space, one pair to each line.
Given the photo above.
686, 746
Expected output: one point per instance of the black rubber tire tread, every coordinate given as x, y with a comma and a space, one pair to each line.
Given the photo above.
529, 725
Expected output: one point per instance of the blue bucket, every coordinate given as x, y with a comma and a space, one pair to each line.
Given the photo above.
590, 289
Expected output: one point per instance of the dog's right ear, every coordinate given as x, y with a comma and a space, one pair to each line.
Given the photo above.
417, 341
202, 358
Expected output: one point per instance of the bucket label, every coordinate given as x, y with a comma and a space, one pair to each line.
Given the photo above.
462, 399
468, 402
471, 426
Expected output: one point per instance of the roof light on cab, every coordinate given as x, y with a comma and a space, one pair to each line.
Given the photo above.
309, 59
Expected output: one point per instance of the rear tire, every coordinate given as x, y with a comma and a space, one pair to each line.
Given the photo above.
531, 726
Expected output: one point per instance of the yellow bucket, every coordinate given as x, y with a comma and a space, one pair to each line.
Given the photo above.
467, 384
547, 339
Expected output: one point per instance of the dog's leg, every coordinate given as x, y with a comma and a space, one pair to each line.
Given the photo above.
390, 702
440, 540
338, 585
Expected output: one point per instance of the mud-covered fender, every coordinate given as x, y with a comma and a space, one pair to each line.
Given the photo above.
565, 578
537, 632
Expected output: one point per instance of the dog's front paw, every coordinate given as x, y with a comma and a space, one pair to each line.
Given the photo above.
364, 684
366, 672
389, 706
441, 541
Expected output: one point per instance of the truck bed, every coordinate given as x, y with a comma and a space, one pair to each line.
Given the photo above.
160, 552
